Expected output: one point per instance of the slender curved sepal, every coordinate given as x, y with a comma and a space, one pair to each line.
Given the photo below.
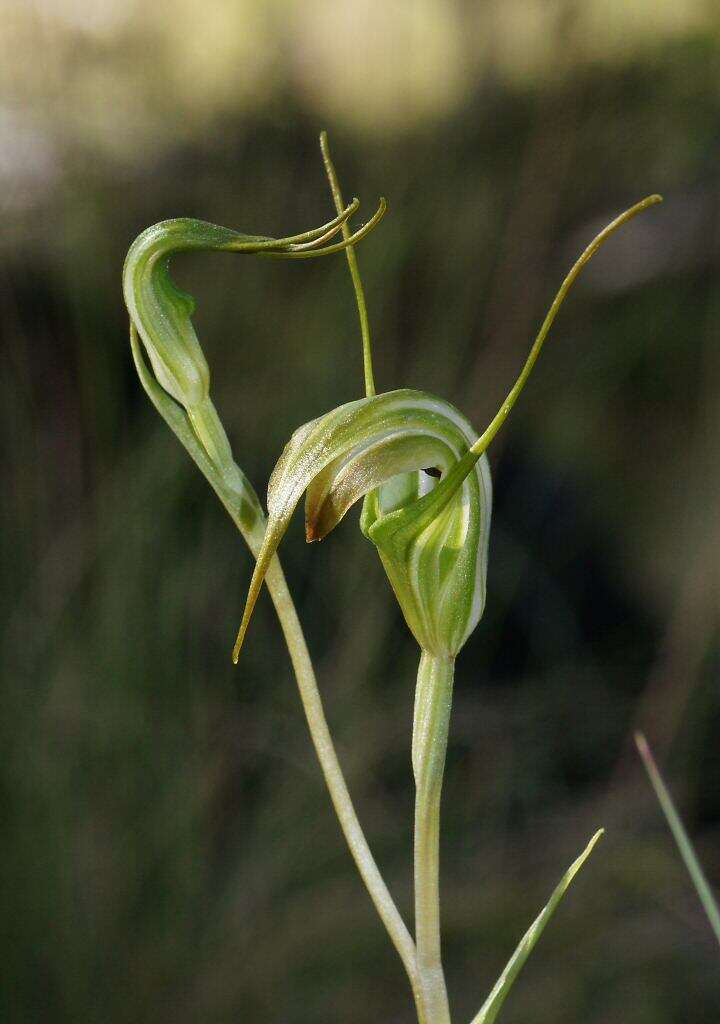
494, 1001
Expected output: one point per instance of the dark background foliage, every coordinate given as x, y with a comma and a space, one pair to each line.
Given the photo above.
168, 851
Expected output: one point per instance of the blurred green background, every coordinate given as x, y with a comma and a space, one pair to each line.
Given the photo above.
167, 849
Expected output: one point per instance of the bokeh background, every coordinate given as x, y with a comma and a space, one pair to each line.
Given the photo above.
167, 848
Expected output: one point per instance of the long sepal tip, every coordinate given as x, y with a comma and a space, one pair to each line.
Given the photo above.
489, 433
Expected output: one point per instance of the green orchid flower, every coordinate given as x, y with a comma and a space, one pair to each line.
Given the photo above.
400, 449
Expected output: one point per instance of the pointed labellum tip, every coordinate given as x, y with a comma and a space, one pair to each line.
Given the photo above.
249, 606
255, 587
239, 642
273, 535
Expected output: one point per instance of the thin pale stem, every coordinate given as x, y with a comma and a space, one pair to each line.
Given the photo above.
335, 781
353, 265
433, 700
332, 772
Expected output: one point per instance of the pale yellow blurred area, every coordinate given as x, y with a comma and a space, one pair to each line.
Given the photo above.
121, 76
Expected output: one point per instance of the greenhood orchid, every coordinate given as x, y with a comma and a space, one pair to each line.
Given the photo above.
424, 475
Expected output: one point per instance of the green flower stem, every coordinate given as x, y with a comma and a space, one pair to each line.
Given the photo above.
433, 700
312, 703
335, 780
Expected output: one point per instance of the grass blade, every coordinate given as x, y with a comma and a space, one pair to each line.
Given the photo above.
494, 1001
681, 837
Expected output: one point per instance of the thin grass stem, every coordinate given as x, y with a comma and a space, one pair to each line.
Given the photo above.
684, 845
